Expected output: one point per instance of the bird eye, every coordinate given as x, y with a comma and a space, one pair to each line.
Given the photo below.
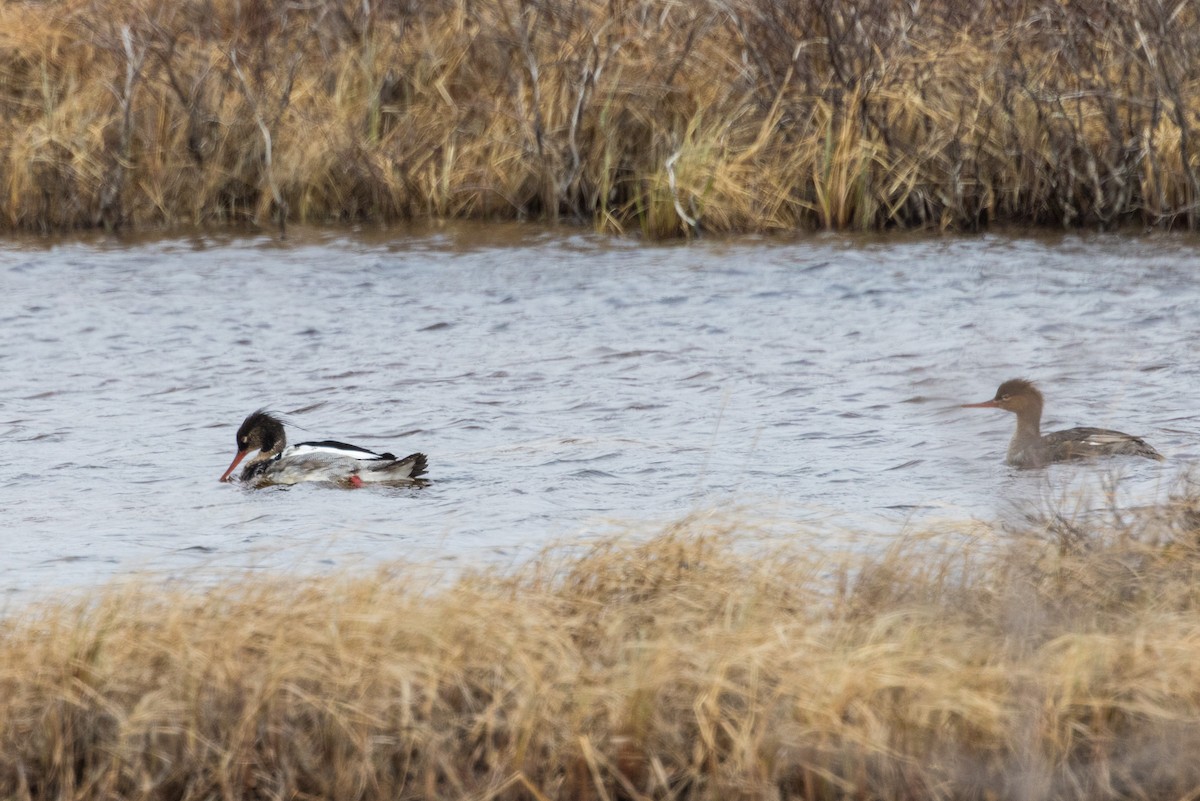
1005, 397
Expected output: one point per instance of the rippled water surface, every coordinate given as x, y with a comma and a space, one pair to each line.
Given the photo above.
560, 383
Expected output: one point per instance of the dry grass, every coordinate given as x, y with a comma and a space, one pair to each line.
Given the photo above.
657, 116
704, 662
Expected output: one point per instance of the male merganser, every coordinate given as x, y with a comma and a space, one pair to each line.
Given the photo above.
1030, 448
338, 462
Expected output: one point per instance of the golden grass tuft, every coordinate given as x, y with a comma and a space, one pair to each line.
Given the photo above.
708, 660
648, 116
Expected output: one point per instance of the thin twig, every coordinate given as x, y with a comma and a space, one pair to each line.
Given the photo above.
265, 131
683, 215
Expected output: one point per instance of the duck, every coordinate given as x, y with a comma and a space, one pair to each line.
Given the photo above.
1031, 448
328, 461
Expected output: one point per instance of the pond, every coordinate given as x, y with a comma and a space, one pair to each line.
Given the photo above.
563, 383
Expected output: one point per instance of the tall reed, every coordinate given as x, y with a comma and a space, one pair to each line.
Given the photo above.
706, 660
649, 116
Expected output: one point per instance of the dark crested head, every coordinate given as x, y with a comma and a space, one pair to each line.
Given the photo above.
260, 431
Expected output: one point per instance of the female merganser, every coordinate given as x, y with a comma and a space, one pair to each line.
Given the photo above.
338, 462
1029, 448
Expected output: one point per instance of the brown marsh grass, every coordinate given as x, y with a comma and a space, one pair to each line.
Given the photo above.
702, 661
653, 116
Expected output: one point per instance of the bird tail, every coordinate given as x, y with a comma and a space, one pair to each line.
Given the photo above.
400, 471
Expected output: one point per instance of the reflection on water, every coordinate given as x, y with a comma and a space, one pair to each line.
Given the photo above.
560, 382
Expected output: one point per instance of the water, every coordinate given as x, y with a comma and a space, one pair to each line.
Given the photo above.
561, 383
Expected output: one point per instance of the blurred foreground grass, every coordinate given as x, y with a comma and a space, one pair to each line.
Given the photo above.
706, 660
651, 116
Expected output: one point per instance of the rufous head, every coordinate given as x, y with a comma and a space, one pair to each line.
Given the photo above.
1016, 395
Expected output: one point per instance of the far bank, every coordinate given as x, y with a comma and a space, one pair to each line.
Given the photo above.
651, 117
